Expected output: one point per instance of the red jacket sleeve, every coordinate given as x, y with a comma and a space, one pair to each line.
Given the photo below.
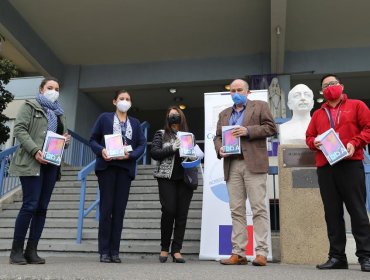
311, 132
360, 140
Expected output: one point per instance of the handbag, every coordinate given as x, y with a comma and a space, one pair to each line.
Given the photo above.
191, 177
191, 173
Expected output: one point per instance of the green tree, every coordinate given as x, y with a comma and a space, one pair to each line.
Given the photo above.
7, 71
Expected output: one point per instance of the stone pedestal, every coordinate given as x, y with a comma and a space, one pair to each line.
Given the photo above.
303, 237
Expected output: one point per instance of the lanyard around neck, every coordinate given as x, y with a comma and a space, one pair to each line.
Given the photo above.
330, 117
123, 127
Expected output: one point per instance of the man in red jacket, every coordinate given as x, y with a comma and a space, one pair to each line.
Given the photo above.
343, 182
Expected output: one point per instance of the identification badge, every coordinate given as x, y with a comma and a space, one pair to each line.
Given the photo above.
128, 148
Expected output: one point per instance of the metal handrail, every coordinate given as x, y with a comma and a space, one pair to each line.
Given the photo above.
273, 171
367, 178
144, 126
7, 181
281, 120
82, 175
78, 137
78, 152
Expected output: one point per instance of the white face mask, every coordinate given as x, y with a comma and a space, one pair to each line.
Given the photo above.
123, 105
51, 95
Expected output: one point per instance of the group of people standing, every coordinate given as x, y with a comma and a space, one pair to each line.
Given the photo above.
245, 174
115, 175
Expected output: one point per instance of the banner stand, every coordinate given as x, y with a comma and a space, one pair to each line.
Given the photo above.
215, 243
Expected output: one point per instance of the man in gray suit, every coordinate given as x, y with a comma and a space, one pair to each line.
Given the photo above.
246, 173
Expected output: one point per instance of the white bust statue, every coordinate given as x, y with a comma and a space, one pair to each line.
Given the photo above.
300, 101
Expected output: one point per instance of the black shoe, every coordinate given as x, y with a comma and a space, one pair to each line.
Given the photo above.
177, 260
16, 255
30, 254
105, 258
115, 259
333, 263
365, 264
163, 259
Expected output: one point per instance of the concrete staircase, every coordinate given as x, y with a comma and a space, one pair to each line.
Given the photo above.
141, 233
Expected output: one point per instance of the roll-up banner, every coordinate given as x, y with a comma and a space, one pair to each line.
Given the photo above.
216, 228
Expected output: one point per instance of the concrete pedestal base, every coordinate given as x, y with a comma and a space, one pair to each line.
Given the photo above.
303, 237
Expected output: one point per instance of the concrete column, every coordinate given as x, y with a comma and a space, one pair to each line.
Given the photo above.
69, 94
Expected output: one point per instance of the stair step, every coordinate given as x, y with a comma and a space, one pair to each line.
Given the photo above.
92, 223
71, 168
75, 171
132, 197
75, 205
92, 197
92, 190
140, 167
130, 213
141, 227
92, 233
73, 176
127, 246
94, 183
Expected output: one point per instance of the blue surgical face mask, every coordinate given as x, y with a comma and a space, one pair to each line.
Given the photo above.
239, 98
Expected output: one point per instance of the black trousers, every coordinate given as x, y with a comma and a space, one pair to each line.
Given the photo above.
341, 183
175, 197
114, 186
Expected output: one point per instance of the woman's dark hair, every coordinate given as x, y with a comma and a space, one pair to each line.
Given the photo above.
47, 79
183, 126
329, 75
118, 92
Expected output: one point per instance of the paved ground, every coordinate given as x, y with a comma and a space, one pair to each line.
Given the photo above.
87, 267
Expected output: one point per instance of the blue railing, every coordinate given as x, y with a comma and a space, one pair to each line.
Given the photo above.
367, 176
78, 152
281, 120
273, 142
274, 221
144, 126
82, 176
7, 182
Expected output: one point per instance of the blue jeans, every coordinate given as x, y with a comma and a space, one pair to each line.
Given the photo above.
37, 191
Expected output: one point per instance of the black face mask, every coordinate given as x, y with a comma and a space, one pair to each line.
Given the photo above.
174, 119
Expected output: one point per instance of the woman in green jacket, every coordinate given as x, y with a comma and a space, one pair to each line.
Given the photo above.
37, 177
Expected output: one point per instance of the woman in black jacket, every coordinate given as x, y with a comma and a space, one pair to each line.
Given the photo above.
115, 175
175, 196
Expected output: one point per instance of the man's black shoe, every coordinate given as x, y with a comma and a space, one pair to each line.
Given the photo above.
333, 263
365, 265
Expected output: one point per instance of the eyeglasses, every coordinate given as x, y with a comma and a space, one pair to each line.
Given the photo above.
332, 83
